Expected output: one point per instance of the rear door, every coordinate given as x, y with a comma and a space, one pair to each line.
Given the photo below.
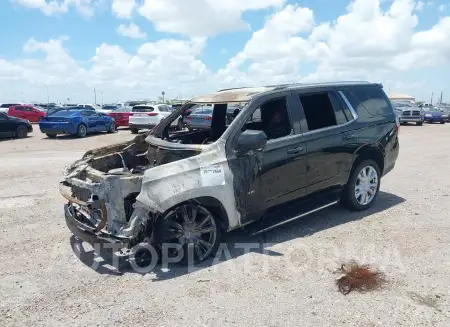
16, 111
90, 120
330, 132
30, 114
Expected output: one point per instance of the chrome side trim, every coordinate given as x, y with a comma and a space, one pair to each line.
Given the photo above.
296, 217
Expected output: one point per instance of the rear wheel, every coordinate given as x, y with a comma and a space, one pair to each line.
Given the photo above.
51, 136
420, 123
442, 122
81, 131
362, 186
190, 233
134, 131
21, 132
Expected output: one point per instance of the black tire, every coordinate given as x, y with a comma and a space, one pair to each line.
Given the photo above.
348, 197
420, 123
134, 130
81, 130
111, 128
21, 131
166, 230
442, 122
51, 136
180, 125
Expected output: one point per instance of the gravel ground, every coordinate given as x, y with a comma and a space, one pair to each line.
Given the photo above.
47, 280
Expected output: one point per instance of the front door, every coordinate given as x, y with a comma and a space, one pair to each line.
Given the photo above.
276, 174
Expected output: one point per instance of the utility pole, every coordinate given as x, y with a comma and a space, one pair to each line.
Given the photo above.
102, 97
163, 94
431, 102
95, 96
48, 96
440, 101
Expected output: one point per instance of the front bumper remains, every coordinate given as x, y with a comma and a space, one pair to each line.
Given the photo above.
84, 229
88, 233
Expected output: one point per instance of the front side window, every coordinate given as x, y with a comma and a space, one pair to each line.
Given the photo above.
272, 118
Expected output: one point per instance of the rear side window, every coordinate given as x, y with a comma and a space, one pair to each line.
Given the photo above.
372, 99
319, 111
143, 109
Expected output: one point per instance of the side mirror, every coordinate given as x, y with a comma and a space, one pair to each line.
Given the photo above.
251, 140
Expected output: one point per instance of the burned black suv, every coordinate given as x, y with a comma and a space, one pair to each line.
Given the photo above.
292, 150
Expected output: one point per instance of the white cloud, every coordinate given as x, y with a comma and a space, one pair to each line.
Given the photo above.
419, 5
131, 30
123, 8
201, 17
366, 42
51, 7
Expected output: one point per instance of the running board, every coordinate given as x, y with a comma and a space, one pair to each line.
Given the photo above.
272, 221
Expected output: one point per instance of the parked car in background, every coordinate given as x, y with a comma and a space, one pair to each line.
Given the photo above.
435, 115
445, 110
14, 127
408, 112
200, 118
4, 107
121, 116
147, 116
75, 121
26, 112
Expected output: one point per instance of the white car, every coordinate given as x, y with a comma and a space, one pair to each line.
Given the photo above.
147, 116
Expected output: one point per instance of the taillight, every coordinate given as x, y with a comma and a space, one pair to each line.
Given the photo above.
152, 114
131, 114
208, 118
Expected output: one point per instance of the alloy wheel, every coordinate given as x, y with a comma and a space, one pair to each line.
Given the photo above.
366, 185
192, 228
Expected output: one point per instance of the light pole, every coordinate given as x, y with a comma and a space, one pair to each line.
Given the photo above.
48, 96
163, 94
102, 97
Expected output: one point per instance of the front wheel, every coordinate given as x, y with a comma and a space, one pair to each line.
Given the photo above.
111, 128
420, 123
189, 233
81, 131
50, 136
362, 186
442, 122
134, 131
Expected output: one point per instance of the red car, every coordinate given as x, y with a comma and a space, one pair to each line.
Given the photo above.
121, 116
27, 112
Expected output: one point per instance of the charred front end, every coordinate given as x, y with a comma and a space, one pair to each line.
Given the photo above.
101, 191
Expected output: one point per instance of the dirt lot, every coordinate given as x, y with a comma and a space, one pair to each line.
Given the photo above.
44, 280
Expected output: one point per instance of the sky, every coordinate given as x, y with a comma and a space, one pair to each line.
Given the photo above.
118, 50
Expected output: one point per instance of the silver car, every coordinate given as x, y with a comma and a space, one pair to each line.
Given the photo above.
408, 112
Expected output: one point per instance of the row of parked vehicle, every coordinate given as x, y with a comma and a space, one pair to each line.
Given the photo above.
409, 112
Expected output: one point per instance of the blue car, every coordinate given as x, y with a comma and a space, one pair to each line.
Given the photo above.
435, 115
200, 118
75, 121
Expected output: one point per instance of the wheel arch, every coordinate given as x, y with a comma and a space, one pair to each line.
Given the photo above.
211, 203
369, 151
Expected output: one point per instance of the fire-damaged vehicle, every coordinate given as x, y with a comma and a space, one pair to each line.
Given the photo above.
292, 150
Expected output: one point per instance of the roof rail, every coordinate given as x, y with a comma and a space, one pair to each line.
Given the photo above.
234, 88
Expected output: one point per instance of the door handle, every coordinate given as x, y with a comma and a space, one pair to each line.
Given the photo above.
349, 136
295, 150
